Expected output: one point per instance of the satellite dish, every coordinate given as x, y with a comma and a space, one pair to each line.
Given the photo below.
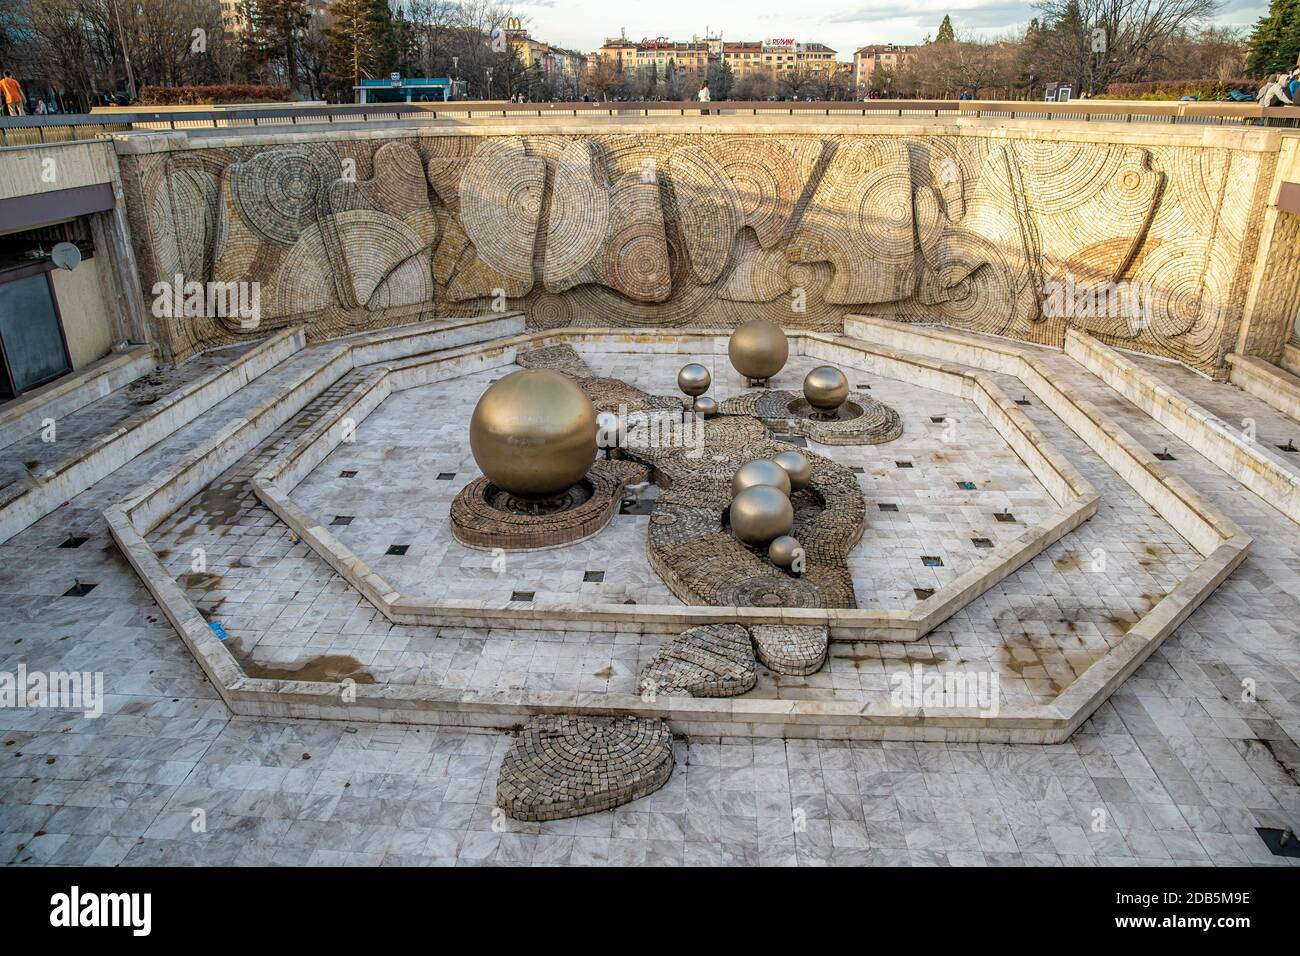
65, 255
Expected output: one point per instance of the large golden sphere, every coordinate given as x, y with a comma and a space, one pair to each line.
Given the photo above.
826, 388
533, 433
694, 379
760, 471
761, 513
797, 466
758, 349
784, 551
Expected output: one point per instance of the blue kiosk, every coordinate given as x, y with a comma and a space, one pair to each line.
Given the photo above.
399, 89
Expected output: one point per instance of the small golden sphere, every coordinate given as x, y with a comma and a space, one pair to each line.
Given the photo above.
694, 379
761, 513
797, 466
760, 471
533, 433
758, 349
706, 406
784, 551
825, 388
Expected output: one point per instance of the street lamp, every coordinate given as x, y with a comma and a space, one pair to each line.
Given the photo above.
487, 93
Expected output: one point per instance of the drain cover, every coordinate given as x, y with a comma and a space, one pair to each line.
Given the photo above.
594, 577
74, 542
342, 519
79, 590
1279, 842
398, 549
923, 593
931, 561
888, 506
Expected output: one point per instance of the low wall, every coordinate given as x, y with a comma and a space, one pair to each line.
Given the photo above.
1252, 463
25, 502
23, 417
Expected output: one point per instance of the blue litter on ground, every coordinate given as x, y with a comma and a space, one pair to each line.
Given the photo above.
218, 630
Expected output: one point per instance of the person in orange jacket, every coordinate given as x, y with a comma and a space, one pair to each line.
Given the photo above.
13, 95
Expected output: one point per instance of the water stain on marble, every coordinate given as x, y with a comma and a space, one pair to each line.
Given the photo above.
327, 668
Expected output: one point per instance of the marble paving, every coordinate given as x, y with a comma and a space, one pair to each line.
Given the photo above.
1179, 767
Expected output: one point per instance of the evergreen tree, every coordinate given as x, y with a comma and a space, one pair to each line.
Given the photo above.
946, 32
721, 80
360, 43
1275, 44
275, 28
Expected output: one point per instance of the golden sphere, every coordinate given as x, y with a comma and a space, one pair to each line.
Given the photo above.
826, 388
783, 551
533, 433
760, 471
761, 513
694, 379
758, 349
797, 466
706, 406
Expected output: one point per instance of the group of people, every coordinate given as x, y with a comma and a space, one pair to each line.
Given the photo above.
1282, 89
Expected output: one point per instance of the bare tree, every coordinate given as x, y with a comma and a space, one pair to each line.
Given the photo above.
1137, 36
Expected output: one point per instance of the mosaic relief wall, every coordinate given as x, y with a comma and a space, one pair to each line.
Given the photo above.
689, 230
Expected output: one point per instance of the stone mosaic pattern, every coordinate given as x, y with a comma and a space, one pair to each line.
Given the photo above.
564, 766
714, 660
688, 544
666, 228
791, 649
861, 419
1181, 767
481, 517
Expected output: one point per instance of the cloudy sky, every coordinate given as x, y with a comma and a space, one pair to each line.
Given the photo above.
845, 25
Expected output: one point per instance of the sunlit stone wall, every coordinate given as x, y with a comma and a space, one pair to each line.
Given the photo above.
1147, 238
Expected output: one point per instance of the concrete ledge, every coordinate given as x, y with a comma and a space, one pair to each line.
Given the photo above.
24, 503
1266, 381
1257, 467
755, 717
1221, 542
22, 417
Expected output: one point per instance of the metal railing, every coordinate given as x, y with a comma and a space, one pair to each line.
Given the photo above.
29, 130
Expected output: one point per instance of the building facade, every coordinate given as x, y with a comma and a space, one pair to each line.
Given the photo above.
868, 59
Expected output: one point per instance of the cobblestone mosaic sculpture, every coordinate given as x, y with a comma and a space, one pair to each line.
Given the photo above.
689, 544
485, 516
860, 421
682, 229
564, 766
714, 660
791, 649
